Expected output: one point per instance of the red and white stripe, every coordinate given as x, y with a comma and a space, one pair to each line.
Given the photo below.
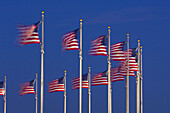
99, 80
69, 42
97, 48
2, 91
76, 83
116, 75
27, 89
54, 86
27, 35
117, 53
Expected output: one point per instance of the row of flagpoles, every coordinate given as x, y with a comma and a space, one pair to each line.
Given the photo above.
29, 35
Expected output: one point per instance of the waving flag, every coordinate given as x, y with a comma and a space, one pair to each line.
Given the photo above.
69, 40
116, 75
76, 82
27, 88
98, 46
56, 85
100, 79
2, 89
28, 34
117, 53
123, 70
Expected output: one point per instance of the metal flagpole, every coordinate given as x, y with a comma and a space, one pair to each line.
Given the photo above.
141, 79
65, 91
5, 97
138, 80
89, 92
42, 62
109, 82
36, 97
80, 56
127, 77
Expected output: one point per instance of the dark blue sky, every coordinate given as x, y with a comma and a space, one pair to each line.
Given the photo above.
148, 21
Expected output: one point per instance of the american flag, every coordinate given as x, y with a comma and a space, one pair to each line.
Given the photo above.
27, 88
56, 85
28, 34
133, 66
123, 70
76, 82
117, 53
98, 46
116, 75
2, 89
100, 79
69, 40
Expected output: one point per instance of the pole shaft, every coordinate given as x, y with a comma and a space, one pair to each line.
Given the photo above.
109, 82
5, 97
89, 92
127, 77
141, 83
42, 62
65, 92
138, 80
36, 97
80, 56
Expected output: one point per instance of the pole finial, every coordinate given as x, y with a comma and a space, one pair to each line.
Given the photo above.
141, 47
89, 67
138, 40
128, 34
36, 74
65, 71
5, 76
81, 20
108, 27
42, 12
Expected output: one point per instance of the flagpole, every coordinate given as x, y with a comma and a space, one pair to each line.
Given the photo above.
36, 98
127, 77
138, 80
141, 89
109, 82
65, 91
5, 97
80, 56
42, 62
89, 91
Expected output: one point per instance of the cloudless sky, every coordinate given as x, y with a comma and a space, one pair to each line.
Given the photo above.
148, 21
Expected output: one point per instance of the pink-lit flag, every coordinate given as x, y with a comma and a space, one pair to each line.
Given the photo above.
28, 34
2, 89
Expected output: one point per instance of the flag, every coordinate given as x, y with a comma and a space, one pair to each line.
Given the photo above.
116, 74
28, 34
98, 46
100, 79
76, 82
56, 85
27, 88
117, 53
2, 89
69, 40
123, 70
133, 66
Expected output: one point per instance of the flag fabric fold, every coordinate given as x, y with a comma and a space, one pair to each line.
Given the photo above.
2, 89
56, 85
76, 82
69, 40
117, 53
100, 79
28, 34
98, 46
27, 88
